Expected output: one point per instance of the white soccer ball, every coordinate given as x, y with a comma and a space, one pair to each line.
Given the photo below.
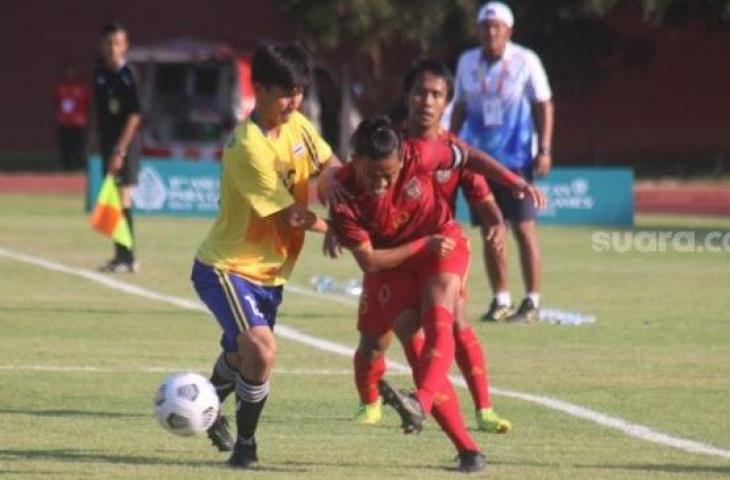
186, 404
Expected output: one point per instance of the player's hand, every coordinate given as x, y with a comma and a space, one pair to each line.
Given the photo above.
527, 190
329, 190
331, 245
297, 216
115, 163
440, 245
543, 162
494, 236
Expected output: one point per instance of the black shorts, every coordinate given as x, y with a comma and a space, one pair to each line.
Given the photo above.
515, 210
129, 172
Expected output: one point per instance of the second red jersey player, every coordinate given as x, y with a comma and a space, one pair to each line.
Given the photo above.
396, 220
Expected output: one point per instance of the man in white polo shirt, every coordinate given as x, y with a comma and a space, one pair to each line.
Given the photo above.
502, 101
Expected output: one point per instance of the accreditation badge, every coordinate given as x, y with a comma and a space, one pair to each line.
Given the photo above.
114, 106
492, 111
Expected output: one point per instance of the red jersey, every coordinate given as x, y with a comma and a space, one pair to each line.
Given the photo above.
71, 102
473, 185
410, 209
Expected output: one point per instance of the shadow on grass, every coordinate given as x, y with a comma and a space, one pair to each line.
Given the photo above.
102, 311
99, 456
39, 473
666, 468
70, 413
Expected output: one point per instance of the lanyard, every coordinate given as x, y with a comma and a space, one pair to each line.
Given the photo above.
483, 76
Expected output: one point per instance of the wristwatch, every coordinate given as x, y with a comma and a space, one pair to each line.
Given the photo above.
543, 151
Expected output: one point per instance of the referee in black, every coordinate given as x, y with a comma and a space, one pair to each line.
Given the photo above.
118, 115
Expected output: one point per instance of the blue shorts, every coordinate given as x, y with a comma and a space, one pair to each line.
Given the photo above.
514, 210
236, 303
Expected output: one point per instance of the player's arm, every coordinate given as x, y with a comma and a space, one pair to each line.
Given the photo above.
252, 172
540, 95
134, 120
479, 162
484, 206
299, 217
491, 220
130, 129
372, 260
458, 112
458, 115
544, 117
324, 162
329, 190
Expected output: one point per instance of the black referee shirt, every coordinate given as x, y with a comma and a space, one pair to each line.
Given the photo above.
116, 99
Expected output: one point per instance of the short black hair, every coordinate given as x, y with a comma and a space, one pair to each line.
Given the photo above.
376, 138
281, 65
431, 66
111, 27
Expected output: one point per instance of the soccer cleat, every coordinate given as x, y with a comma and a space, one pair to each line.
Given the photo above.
119, 266
244, 455
471, 461
496, 312
220, 435
489, 421
406, 404
369, 414
527, 313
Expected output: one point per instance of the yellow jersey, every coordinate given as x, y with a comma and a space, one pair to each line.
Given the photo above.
261, 176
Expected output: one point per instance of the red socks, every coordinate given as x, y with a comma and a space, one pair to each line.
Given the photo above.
471, 362
367, 375
446, 409
438, 354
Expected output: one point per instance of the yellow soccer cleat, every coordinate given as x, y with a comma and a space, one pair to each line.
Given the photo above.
489, 421
369, 414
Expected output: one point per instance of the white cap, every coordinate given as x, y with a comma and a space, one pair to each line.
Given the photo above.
496, 11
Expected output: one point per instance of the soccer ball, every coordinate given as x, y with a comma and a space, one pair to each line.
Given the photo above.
186, 404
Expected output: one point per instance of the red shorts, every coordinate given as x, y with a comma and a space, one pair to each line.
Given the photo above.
387, 294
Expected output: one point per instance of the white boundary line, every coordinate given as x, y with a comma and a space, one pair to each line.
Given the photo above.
631, 429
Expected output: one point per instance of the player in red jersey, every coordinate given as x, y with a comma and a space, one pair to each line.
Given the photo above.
401, 231
429, 85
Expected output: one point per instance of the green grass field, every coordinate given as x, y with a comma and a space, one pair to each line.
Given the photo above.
76, 387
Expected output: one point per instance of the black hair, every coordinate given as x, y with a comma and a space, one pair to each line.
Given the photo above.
431, 66
111, 27
376, 138
398, 112
281, 65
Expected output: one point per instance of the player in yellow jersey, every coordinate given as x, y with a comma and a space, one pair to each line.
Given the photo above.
249, 253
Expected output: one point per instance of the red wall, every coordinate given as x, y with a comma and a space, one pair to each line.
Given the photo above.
37, 37
678, 107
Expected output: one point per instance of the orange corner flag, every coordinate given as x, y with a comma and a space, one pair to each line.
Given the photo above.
107, 217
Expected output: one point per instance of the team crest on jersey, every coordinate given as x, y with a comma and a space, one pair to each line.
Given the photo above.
443, 176
413, 189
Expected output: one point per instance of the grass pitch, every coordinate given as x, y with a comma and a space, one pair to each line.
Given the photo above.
77, 379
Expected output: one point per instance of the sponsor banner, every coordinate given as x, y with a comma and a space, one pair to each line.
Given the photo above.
583, 196
168, 187
576, 196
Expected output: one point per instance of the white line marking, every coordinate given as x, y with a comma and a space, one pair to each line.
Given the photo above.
631, 429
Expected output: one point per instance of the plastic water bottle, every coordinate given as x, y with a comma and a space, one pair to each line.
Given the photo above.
322, 284
353, 287
327, 284
564, 317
